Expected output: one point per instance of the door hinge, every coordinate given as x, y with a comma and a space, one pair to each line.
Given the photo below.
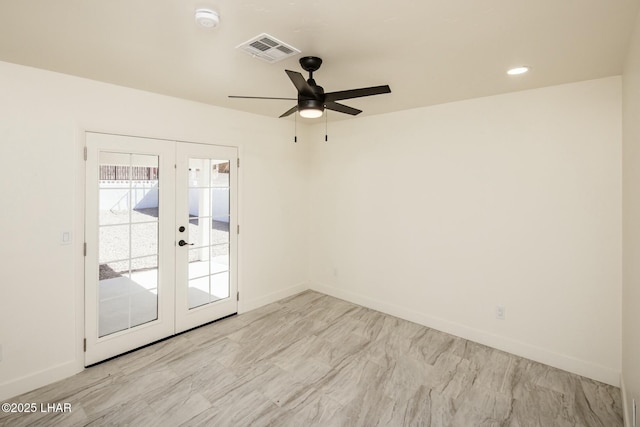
84, 345
238, 161
238, 229
238, 296
85, 249
85, 154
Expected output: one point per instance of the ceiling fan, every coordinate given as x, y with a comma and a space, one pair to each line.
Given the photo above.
312, 100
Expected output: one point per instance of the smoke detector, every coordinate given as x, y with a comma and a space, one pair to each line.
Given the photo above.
207, 18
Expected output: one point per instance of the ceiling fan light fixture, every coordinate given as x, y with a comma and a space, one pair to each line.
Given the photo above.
310, 113
207, 18
310, 108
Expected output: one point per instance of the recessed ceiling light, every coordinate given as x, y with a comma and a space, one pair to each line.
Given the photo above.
207, 18
518, 70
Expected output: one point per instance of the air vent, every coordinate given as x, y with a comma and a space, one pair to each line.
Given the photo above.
268, 48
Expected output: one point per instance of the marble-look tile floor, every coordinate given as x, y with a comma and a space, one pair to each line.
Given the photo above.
314, 360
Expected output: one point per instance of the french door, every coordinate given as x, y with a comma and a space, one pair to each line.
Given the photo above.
161, 240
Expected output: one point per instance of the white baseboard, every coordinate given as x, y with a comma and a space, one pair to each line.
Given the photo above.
39, 379
252, 304
538, 354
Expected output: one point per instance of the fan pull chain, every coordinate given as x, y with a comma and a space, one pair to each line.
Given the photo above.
326, 115
295, 127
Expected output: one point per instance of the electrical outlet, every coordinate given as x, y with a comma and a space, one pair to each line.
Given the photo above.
500, 312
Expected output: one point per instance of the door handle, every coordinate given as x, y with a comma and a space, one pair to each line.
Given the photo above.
183, 243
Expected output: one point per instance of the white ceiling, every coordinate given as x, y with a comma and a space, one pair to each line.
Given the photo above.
428, 51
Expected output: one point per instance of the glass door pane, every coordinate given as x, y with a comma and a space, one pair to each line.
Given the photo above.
208, 201
128, 219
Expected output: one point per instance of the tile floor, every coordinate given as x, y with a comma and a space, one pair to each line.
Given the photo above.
314, 360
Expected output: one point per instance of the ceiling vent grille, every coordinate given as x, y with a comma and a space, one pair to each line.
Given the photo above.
268, 48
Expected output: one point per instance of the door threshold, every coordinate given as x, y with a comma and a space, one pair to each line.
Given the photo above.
159, 341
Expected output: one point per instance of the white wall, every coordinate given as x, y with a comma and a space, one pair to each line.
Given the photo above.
631, 225
440, 214
42, 117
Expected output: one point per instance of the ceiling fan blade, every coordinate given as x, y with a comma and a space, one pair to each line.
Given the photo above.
289, 112
341, 108
357, 93
261, 97
300, 83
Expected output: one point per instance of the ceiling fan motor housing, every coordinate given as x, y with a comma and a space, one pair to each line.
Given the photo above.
314, 100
